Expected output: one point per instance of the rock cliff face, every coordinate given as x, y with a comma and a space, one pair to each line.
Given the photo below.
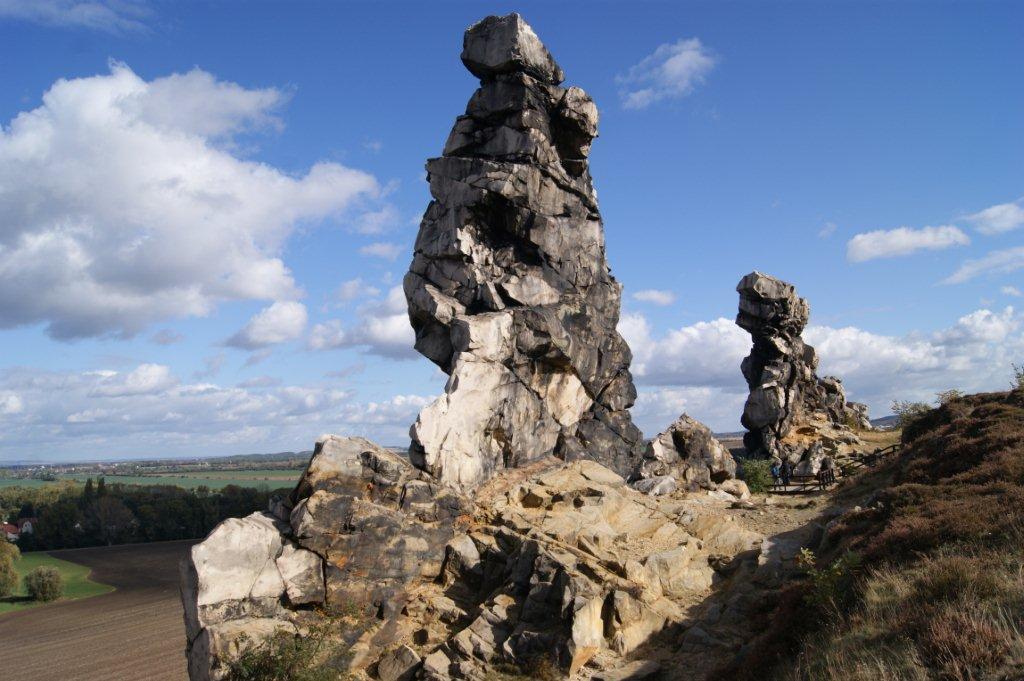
509, 291
360, 528
780, 370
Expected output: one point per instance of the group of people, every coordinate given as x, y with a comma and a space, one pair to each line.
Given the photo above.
782, 472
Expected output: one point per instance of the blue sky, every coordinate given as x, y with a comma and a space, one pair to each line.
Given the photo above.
203, 221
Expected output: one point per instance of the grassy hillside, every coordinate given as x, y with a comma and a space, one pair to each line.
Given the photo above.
76, 581
925, 578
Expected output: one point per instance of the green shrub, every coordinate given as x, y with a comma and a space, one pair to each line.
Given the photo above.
1018, 377
8, 576
44, 584
757, 475
830, 587
947, 396
908, 412
315, 656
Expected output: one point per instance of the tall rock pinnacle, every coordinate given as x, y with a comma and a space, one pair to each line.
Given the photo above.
780, 369
509, 291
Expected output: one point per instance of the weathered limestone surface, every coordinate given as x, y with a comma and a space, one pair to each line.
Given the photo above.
688, 452
360, 528
784, 389
572, 564
509, 291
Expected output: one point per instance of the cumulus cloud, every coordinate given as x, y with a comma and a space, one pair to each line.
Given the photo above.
702, 363
354, 289
994, 263
1011, 291
998, 219
51, 415
377, 221
146, 379
282, 321
122, 204
383, 329
381, 249
10, 403
893, 243
111, 16
672, 71
655, 296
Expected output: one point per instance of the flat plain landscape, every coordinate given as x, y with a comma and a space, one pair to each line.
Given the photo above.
215, 480
133, 633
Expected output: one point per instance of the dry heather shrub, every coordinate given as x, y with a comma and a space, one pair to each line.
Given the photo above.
941, 593
961, 643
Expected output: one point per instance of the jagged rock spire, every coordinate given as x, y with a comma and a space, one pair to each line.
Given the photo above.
781, 368
509, 291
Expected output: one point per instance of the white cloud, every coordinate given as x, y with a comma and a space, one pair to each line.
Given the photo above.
703, 354
146, 379
383, 329
671, 72
998, 219
893, 243
354, 289
827, 230
1011, 291
381, 249
701, 363
655, 296
10, 404
50, 415
282, 321
995, 262
123, 205
718, 408
377, 221
112, 16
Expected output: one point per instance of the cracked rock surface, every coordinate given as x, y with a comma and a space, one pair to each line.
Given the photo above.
509, 291
785, 390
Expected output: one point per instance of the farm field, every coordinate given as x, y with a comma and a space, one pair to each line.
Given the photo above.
77, 583
134, 633
212, 479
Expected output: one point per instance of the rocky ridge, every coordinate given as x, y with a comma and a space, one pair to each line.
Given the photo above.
509, 291
786, 393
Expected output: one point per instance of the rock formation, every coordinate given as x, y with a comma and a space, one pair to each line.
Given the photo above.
361, 526
780, 370
688, 453
509, 291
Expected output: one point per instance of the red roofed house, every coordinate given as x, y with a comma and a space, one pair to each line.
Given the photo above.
11, 532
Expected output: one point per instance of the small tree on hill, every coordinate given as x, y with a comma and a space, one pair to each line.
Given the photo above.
947, 396
8, 575
908, 412
1018, 377
44, 584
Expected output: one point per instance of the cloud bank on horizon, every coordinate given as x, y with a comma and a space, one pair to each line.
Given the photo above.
142, 229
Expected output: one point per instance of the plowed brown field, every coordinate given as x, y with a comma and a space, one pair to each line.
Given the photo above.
133, 633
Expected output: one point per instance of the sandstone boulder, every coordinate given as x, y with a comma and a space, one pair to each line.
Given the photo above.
364, 527
688, 452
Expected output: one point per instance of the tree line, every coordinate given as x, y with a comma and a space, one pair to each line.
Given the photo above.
73, 516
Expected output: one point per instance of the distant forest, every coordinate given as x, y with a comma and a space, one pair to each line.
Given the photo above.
72, 516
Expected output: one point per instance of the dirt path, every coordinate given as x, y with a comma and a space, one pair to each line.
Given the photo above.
134, 633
